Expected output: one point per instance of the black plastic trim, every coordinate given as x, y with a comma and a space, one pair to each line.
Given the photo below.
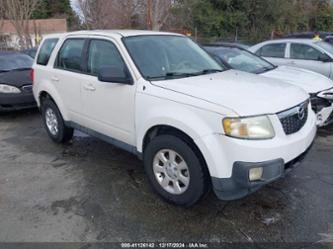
129, 148
239, 185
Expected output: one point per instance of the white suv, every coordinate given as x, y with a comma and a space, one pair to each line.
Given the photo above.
159, 95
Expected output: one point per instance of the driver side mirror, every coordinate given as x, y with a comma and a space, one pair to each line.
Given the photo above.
325, 58
115, 75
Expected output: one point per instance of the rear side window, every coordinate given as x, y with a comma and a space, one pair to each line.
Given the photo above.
70, 56
103, 53
304, 52
273, 50
46, 51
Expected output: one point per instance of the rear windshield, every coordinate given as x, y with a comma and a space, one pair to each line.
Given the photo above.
46, 51
9, 62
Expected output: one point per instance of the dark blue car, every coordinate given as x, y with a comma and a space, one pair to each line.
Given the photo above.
15, 81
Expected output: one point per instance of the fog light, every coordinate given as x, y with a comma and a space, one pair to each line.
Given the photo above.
255, 174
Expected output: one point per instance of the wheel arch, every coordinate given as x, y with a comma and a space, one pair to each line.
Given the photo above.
167, 129
47, 93
159, 129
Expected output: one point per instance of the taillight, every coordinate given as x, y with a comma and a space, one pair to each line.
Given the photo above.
32, 75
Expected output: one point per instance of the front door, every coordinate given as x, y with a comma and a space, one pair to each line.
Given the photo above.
308, 57
108, 107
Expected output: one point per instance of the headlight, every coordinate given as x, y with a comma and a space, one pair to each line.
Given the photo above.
9, 89
249, 128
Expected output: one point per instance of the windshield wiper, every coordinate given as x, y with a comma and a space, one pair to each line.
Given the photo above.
15, 70
179, 74
265, 69
205, 71
21, 69
169, 75
209, 71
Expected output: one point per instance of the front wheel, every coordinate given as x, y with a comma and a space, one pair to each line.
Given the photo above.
175, 171
54, 123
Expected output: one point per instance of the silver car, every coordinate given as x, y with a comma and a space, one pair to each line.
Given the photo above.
309, 54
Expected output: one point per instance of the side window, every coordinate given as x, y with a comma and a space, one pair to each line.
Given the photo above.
103, 54
46, 51
70, 55
273, 50
304, 52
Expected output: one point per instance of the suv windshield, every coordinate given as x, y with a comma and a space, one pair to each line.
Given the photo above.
11, 62
240, 59
161, 57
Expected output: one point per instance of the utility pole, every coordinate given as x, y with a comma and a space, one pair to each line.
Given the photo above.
149, 15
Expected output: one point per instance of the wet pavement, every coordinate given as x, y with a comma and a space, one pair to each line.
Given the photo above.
90, 191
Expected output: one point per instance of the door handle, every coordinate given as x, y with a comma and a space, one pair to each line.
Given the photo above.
89, 87
55, 79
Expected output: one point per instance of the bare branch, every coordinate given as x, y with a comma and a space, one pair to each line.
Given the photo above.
19, 13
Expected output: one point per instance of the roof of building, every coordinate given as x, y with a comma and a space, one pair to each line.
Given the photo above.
42, 26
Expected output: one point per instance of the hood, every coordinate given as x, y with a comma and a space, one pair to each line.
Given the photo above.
16, 78
310, 81
244, 93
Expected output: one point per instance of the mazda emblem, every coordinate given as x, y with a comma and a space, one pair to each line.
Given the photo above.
301, 112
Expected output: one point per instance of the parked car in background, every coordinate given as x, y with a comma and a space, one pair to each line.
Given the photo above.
236, 44
15, 81
318, 86
325, 36
313, 55
31, 52
161, 96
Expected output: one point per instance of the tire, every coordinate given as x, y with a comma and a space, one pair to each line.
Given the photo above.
184, 187
60, 133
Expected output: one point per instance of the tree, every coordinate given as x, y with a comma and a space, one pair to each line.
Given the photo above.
158, 12
253, 20
55, 9
19, 13
101, 14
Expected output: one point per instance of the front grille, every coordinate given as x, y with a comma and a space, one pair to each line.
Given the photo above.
294, 119
27, 88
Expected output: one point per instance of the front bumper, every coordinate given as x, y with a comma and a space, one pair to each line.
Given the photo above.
11, 102
225, 155
239, 185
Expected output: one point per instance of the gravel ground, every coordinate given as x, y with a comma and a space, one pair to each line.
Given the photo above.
90, 191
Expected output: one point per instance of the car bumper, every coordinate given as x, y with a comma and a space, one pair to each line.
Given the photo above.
224, 156
10, 102
239, 185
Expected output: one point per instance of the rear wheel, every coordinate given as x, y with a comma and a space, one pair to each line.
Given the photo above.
54, 123
174, 170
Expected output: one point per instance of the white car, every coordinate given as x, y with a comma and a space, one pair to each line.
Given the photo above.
308, 54
319, 87
162, 97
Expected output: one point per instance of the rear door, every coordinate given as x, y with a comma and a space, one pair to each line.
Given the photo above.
308, 57
274, 52
67, 75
